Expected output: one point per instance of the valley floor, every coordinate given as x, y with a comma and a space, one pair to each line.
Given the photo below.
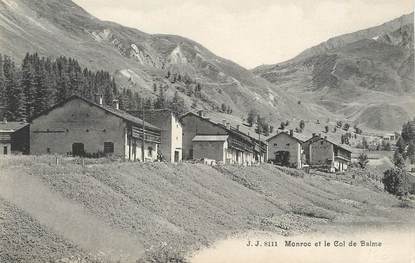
119, 211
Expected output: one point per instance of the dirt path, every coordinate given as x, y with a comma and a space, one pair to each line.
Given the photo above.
380, 245
68, 219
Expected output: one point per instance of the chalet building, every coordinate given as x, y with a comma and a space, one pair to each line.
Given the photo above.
208, 137
171, 132
286, 148
14, 137
78, 126
327, 152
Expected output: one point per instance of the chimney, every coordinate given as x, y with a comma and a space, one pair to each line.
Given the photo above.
4, 120
237, 127
291, 132
98, 99
224, 122
228, 126
314, 134
200, 113
116, 104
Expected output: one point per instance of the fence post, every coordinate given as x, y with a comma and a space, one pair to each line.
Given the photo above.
56, 160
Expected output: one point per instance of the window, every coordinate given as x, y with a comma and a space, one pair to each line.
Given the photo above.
5, 150
108, 147
150, 151
288, 144
47, 150
275, 144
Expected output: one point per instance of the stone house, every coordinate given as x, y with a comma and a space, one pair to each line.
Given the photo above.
171, 132
78, 126
286, 148
327, 152
14, 137
240, 147
214, 147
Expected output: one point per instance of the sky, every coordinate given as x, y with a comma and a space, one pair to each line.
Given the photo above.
250, 32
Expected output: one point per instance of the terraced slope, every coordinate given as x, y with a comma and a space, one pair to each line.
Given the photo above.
61, 211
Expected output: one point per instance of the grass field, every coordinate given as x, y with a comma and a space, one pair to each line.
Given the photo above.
103, 210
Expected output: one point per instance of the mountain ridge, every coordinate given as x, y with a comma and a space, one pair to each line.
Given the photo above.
140, 61
366, 76
137, 59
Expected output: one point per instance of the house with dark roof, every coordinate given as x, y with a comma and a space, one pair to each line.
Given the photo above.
286, 149
328, 152
14, 137
240, 148
171, 132
80, 127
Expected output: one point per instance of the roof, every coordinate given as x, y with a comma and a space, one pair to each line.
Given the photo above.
119, 113
12, 126
155, 115
210, 138
334, 141
297, 136
218, 118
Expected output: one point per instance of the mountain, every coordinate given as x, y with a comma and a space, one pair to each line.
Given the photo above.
366, 76
139, 60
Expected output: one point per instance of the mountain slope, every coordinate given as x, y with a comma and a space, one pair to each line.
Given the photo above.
367, 75
138, 59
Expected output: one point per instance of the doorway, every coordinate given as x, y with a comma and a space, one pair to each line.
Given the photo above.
78, 149
176, 156
282, 158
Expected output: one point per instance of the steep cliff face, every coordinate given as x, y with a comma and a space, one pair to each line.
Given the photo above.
364, 75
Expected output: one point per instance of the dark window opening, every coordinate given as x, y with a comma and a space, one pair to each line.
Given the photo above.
48, 150
108, 147
78, 149
150, 151
5, 150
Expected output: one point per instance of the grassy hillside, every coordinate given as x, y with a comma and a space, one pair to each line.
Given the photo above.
51, 212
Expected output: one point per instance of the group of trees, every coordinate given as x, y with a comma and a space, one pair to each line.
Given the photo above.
284, 124
396, 180
226, 108
40, 82
262, 125
175, 104
192, 87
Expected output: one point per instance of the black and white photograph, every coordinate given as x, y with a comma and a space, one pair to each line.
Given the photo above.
195, 131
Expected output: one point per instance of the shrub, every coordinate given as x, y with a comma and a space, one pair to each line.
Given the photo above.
396, 181
363, 160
